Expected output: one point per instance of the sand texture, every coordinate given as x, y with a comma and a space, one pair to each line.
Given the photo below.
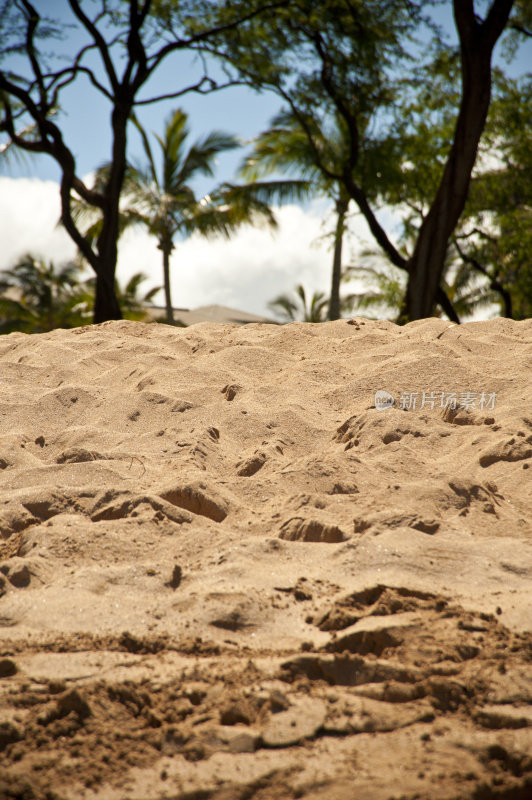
226, 575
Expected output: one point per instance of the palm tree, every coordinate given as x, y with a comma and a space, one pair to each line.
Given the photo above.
37, 297
167, 204
295, 308
386, 286
383, 293
467, 290
285, 146
134, 306
164, 201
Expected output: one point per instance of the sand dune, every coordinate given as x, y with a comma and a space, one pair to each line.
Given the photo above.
224, 573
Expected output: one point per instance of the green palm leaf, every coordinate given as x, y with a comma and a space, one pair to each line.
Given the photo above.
164, 199
295, 308
201, 158
38, 296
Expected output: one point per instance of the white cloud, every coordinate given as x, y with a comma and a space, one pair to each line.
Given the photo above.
29, 213
245, 272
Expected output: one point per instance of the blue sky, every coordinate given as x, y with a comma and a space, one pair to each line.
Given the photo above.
85, 112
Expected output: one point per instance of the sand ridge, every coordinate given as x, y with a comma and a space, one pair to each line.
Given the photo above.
225, 573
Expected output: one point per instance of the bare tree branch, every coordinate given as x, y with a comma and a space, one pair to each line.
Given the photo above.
194, 87
211, 33
99, 41
495, 284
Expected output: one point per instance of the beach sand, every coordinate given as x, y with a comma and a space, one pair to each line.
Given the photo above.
225, 574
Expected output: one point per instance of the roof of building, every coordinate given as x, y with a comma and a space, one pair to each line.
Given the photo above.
214, 313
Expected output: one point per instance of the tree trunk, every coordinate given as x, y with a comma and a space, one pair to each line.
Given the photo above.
334, 302
167, 250
426, 265
106, 304
506, 298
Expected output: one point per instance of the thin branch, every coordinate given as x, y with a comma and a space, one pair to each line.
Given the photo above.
496, 20
195, 87
53, 146
346, 178
182, 44
520, 29
478, 232
495, 283
303, 121
99, 41
74, 70
33, 23
466, 258
375, 227
418, 210
21, 94
338, 100
135, 46
443, 300
68, 223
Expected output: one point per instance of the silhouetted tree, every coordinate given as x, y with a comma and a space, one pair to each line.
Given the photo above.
130, 43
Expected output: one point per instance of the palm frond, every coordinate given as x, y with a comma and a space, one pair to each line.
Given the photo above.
201, 158
280, 191
285, 306
43, 296
172, 145
146, 146
291, 309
